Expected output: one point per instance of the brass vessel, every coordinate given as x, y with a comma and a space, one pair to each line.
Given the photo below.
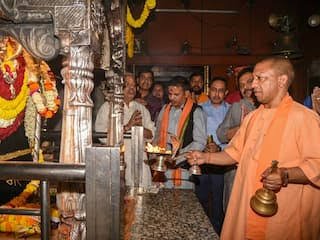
264, 201
160, 164
195, 170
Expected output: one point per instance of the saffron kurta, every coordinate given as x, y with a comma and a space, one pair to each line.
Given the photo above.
298, 215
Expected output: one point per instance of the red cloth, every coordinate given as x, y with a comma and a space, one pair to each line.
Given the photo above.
233, 97
5, 88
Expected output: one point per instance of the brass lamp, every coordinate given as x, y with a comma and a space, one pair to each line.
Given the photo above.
160, 164
264, 201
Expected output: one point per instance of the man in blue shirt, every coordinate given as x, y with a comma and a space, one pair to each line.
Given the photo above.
314, 85
210, 187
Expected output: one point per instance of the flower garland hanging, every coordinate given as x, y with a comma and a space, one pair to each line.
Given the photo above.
21, 77
129, 41
136, 23
23, 225
22, 81
48, 102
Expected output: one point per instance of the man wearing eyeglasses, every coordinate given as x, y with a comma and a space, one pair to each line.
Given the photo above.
232, 121
283, 130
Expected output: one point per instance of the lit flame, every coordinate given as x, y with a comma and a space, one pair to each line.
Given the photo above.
122, 148
156, 149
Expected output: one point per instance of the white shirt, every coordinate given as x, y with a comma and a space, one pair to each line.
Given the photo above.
102, 120
102, 124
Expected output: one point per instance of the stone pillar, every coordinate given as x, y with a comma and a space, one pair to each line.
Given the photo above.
76, 135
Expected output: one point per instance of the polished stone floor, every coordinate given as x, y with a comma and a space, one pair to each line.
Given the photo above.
170, 214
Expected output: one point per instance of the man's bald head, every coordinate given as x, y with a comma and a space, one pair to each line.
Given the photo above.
281, 66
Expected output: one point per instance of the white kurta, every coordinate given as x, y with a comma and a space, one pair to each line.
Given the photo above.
102, 123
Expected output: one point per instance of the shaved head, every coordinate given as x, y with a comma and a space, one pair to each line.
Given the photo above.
281, 66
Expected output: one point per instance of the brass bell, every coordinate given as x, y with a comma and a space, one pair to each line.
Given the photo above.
195, 170
264, 201
160, 164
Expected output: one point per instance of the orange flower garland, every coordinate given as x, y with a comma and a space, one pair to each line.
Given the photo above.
47, 104
21, 80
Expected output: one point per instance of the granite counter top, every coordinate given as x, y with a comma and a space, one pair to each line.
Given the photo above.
170, 214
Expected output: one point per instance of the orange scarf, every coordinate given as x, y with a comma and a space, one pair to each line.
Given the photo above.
202, 98
270, 149
182, 123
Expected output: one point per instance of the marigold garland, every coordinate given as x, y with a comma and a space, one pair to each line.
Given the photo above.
23, 225
20, 77
136, 23
129, 41
47, 104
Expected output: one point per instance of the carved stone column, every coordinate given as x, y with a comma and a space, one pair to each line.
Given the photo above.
76, 135
78, 24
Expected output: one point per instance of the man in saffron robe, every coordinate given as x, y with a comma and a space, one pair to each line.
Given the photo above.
232, 121
182, 118
283, 130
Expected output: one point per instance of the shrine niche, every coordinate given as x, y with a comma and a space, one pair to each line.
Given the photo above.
28, 92
88, 34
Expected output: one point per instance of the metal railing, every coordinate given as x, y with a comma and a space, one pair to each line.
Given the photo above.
44, 172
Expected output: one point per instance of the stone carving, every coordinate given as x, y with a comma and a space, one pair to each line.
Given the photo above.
115, 13
37, 40
74, 28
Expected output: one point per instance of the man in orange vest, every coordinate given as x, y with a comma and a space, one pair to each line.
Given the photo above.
185, 120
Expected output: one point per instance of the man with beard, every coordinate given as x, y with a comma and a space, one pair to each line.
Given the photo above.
210, 188
196, 83
144, 95
232, 121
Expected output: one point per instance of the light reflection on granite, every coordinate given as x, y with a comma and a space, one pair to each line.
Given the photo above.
172, 215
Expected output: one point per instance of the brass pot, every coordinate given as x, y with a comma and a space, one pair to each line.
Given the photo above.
264, 202
160, 164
